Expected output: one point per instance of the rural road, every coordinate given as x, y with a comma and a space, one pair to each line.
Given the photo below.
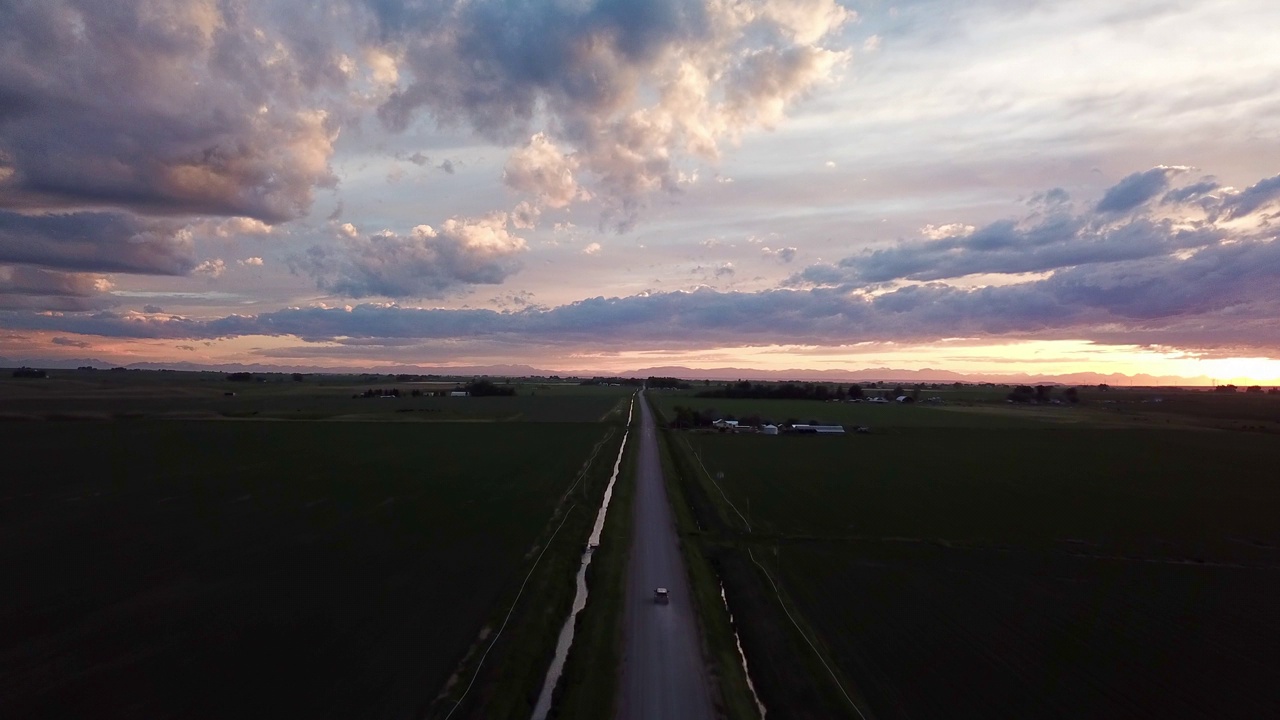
662, 670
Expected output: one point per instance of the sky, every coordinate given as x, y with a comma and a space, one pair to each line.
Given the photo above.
1003, 186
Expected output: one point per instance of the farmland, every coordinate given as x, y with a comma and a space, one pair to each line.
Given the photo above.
1077, 562
131, 395
246, 567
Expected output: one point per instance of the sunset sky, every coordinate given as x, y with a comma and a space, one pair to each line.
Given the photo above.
1000, 186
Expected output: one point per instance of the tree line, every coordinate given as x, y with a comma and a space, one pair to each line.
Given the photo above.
786, 391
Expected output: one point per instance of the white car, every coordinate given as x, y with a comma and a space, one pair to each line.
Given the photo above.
661, 596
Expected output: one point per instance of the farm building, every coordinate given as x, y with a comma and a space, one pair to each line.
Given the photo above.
769, 429
459, 393
725, 424
819, 429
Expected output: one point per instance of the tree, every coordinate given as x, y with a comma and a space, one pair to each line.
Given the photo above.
1072, 395
1042, 393
1022, 394
299, 377
855, 391
898, 392
1254, 389
485, 388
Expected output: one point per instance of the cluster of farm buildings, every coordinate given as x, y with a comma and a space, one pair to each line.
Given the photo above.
771, 429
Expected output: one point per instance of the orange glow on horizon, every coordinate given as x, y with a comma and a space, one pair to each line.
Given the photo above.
965, 356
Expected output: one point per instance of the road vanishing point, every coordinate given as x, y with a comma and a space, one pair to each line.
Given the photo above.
663, 675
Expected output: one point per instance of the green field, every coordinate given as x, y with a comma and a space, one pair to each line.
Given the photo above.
166, 568
949, 565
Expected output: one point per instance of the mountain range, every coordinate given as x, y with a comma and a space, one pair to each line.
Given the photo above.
880, 374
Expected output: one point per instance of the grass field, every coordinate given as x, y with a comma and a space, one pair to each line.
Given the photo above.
162, 568
106, 395
968, 569
882, 417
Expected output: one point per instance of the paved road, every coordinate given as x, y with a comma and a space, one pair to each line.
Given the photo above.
662, 672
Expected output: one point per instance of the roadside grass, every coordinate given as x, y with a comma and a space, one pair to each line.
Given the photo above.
232, 569
588, 686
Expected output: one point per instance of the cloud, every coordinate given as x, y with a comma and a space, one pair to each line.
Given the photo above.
1053, 236
166, 107
152, 309
96, 242
782, 255
1253, 198
211, 268
251, 261
592, 249
618, 93
543, 170
426, 263
939, 232
871, 44
1137, 188
68, 342
23, 287
524, 216
1221, 295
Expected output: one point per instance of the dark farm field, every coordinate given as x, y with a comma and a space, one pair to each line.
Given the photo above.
878, 416
232, 569
132, 395
1046, 570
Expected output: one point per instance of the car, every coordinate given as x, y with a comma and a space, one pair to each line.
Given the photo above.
661, 596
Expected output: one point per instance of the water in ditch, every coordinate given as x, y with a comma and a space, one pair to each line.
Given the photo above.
580, 597
741, 655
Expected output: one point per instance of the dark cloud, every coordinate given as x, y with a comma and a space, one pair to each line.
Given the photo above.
37, 289
152, 309
1224, 290
1136, 189
164, 107
1255, 197
68, 342
1007, 247
1190, 192
1054, 237
1050, 198
95, 242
